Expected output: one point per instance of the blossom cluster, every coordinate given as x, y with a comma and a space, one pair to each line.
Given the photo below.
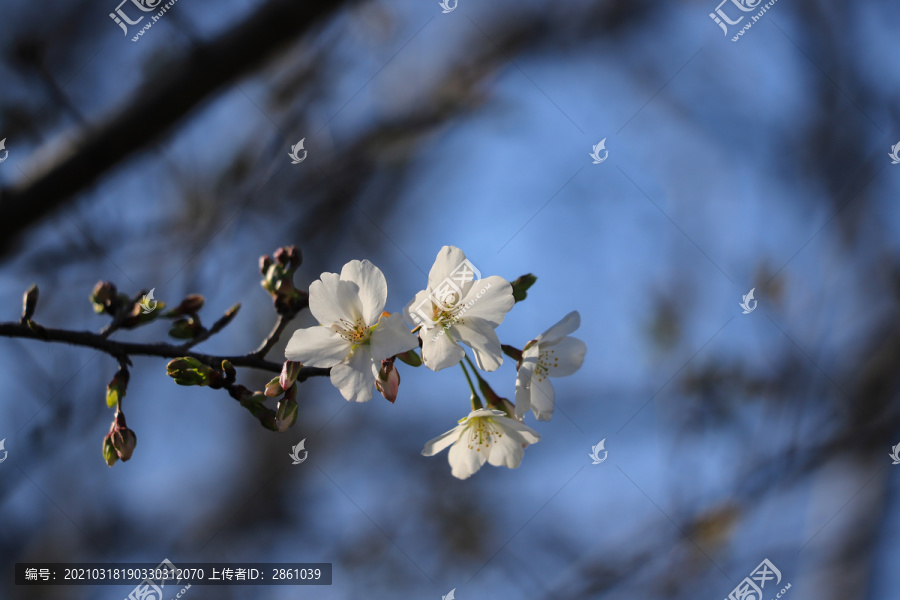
359, 341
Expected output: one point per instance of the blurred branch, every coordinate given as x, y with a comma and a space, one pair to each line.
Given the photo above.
122, 350
207, 68
273, 336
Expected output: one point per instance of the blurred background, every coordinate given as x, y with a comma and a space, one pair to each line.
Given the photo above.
163, 163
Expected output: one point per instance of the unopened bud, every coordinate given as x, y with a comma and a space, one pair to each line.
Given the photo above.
124, 441
289, 373
29, 303
388, 380
104, 297
264, 263
115, 391
273, 388
266, 416
295, 257
228, 369
189, 371
286, 415
109, 452
141, 316
186, 328
283, 256
189, 306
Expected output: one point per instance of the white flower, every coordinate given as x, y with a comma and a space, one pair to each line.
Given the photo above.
455, 308
483, 436
353, 336
551, 354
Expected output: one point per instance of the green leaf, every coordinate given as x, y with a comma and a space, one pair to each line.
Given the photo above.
411, 357
520, 286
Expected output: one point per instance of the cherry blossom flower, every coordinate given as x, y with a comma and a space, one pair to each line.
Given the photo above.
483, 436
353, 335
551, 354
454, 308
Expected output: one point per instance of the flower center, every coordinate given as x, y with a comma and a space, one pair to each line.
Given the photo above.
547, 359
356, 332
481, 433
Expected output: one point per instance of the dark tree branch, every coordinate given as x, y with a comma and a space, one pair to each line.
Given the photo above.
122, 350
273, 336
155, 108
218, 326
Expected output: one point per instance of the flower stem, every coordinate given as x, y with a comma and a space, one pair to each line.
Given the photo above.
476, 401
474, 370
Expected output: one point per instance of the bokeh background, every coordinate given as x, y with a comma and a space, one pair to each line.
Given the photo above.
732, 438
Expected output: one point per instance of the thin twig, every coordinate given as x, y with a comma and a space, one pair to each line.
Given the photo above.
123, 350
273, 336
123, 313
218, 326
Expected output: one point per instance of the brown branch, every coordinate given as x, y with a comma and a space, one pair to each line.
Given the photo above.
123, 350
273, 336
122, 314
218, 326
155, 108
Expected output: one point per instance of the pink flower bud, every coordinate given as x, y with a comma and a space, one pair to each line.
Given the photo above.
388, 380
289, 373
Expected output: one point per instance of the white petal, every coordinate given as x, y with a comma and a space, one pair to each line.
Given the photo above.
391, 337
448, 260
485, 412
464, 461
567, 325
542, 397
317, 347
434, 446
523, 381
507, 451
480, 336
354, 377
529, 435
420, 310
489, 298
439, 349
331, 299
563, 358
372, 287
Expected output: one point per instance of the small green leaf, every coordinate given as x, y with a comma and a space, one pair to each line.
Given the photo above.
189, 371
411, 357
520, 286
